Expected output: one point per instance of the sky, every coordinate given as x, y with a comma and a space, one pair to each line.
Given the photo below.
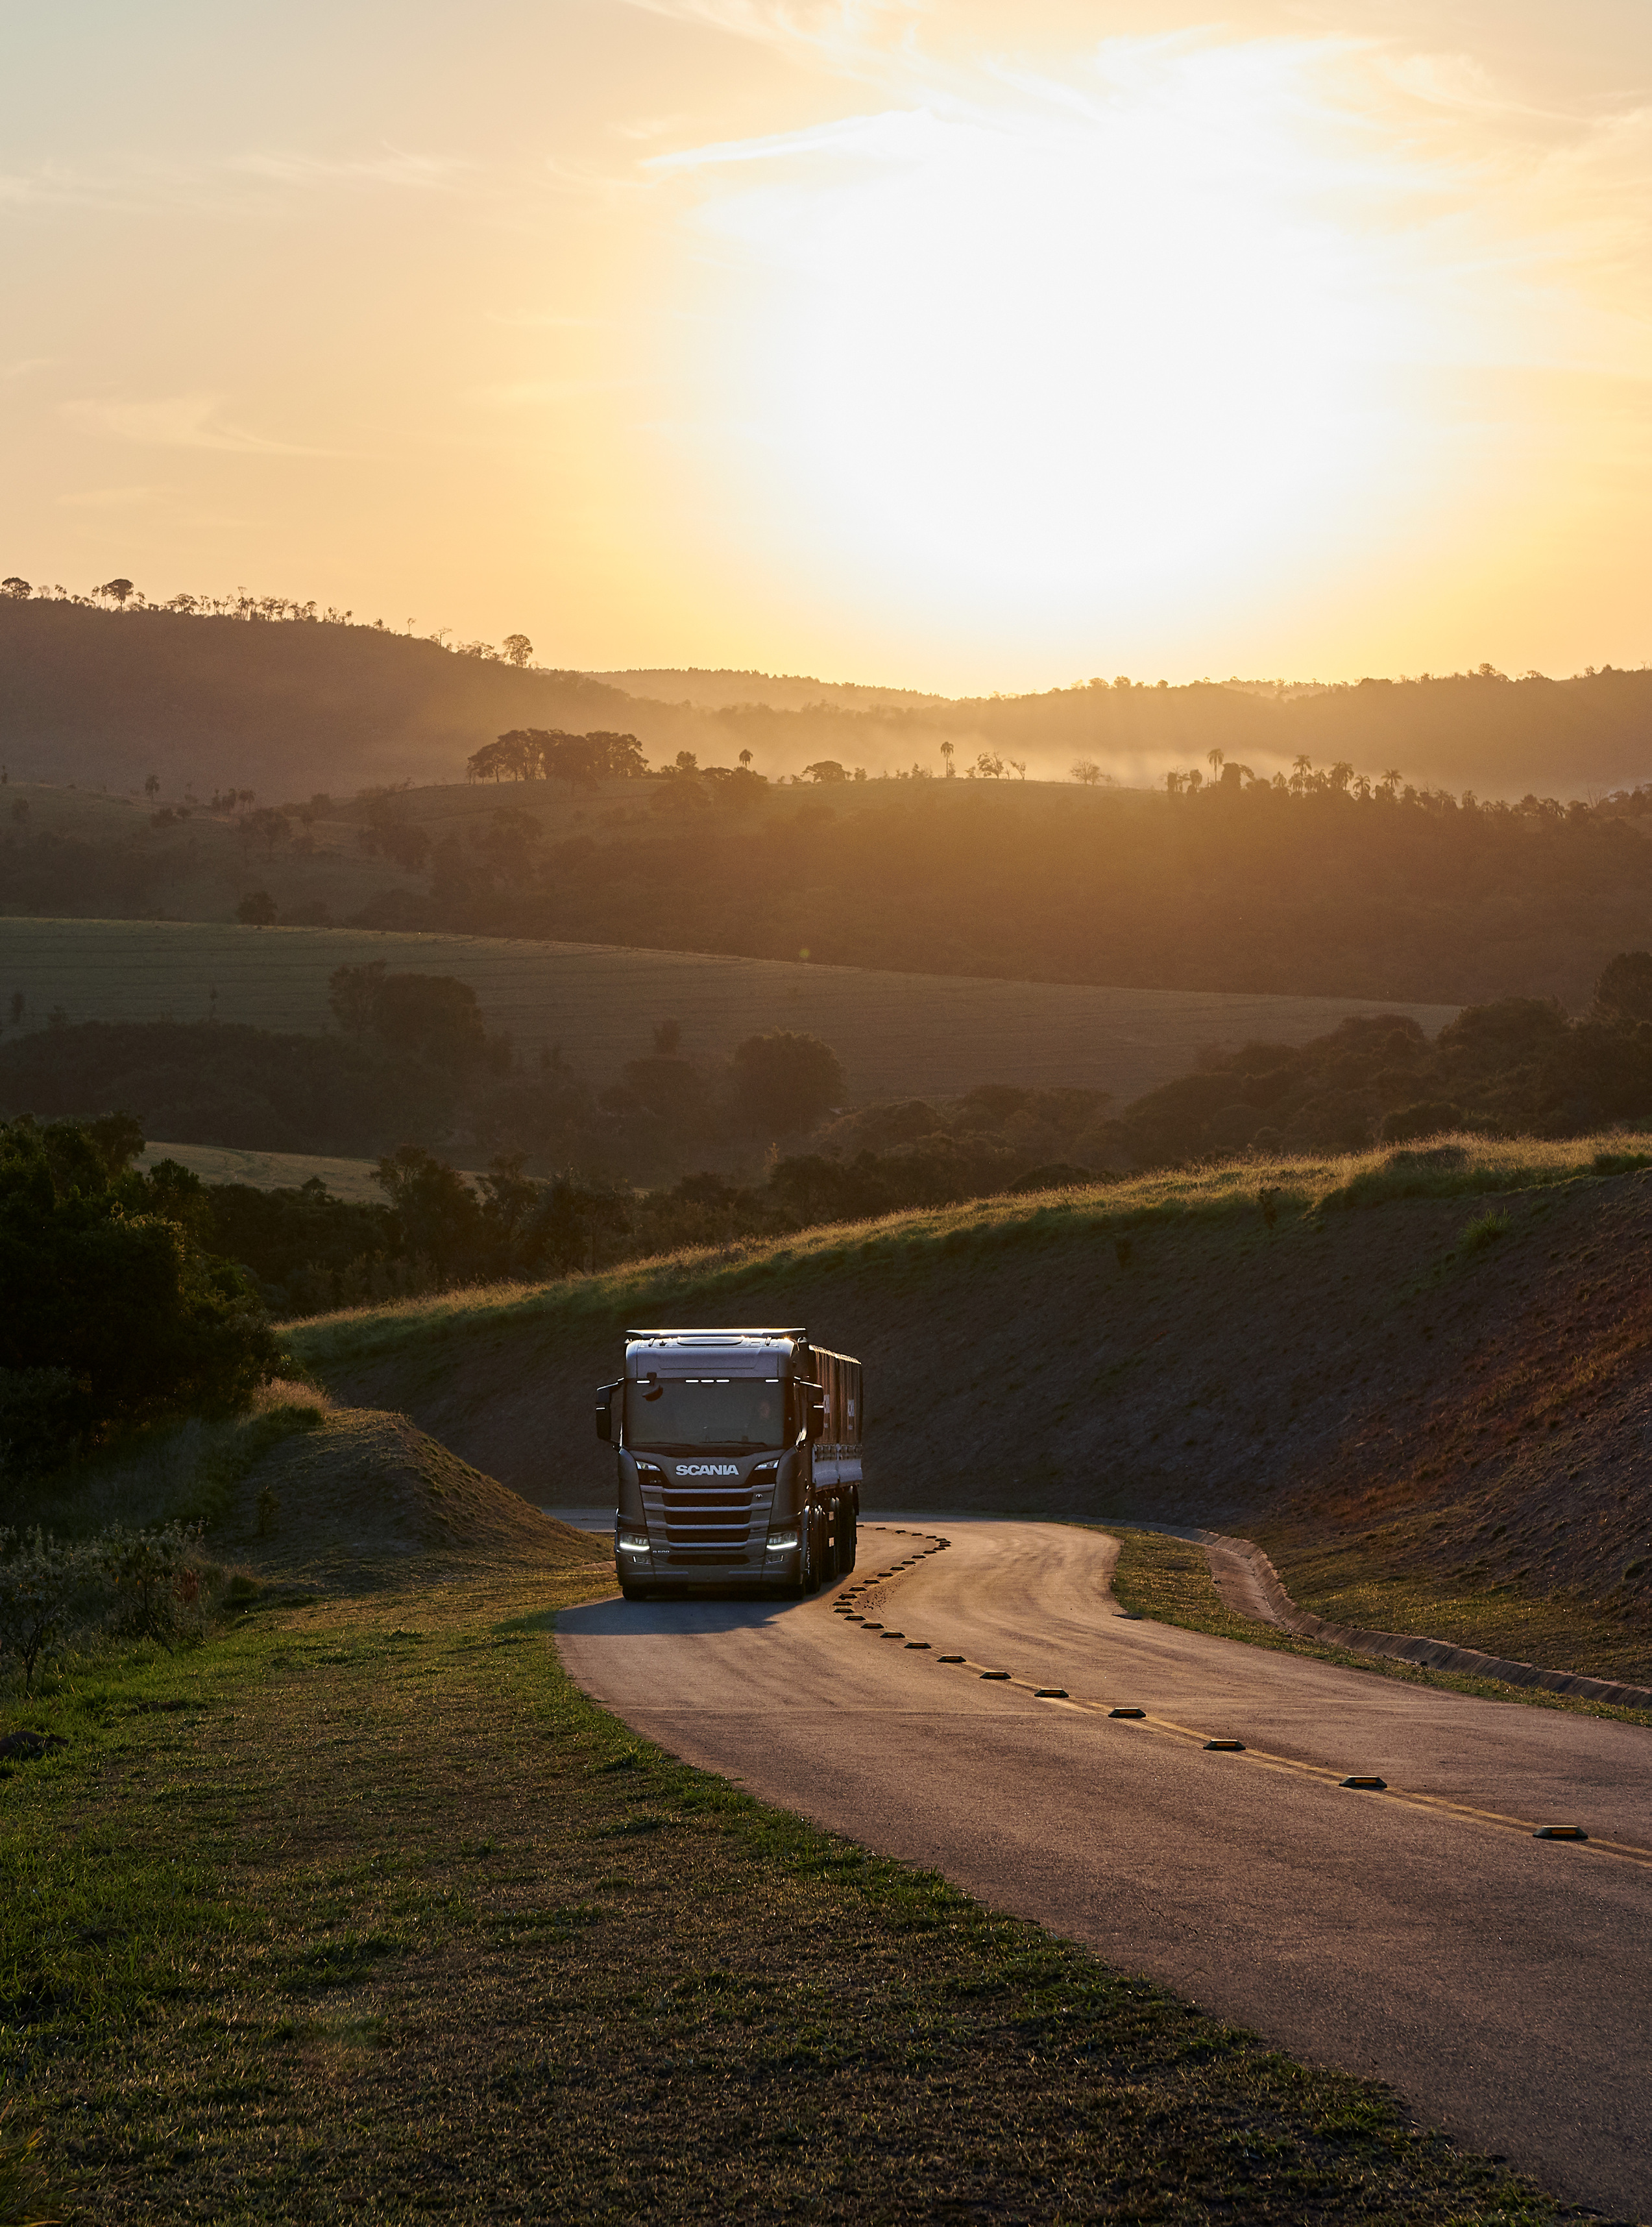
946, 344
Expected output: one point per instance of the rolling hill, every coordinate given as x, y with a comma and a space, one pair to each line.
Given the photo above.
898, 1035
102, 696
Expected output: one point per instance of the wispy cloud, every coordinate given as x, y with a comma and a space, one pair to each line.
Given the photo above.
179, 421
393, 167
113, 498
898, 135
848, 33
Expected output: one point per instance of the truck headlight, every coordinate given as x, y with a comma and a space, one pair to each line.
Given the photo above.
782, 1543
633, 1542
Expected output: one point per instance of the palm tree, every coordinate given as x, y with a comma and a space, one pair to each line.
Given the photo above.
945, 752
1215, 758
745, 760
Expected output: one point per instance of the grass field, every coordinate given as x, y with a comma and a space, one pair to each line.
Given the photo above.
223, 1164
363, 1912
897, 1034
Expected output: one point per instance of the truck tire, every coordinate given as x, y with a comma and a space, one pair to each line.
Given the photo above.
808, 1571
846, 1541
636, 1592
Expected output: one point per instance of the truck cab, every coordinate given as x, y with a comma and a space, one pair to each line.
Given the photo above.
738, 1458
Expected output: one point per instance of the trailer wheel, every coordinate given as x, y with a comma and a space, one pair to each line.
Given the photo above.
847, 1530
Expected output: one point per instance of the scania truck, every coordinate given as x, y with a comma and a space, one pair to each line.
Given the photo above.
739, 1460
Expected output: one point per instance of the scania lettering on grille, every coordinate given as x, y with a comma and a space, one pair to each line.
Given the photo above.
708, 1469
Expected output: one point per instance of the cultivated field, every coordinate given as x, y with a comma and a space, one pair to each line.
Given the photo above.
898, 1035
224, 1164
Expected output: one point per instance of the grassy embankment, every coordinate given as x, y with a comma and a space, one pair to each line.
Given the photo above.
1305, 1190
361, 1909
1340, 1298
1167, 1580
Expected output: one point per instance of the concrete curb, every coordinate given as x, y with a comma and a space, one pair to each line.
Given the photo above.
1428, 1654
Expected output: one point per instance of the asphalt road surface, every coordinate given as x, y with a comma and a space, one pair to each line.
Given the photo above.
1419, 1934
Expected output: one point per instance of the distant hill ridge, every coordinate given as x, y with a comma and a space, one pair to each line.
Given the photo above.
108, 696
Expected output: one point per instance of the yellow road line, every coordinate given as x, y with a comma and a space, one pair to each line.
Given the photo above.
1325, 1774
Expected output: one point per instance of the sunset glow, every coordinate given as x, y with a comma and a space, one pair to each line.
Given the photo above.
952, 348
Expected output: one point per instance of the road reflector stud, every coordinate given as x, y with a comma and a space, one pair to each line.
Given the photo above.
1366, 1785
917, 1643
950, 1658
1050, 1693
866, 1624
1126, 1713
854, 1619
895, 1635
1224, 1747
999, 1675
1559, 1833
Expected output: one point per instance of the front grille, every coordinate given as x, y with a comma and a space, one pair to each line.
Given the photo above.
705, 1519
703, 1558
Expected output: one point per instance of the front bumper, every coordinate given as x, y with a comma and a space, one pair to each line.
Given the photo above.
662, 1565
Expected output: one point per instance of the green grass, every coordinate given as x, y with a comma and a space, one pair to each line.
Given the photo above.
898, 1035
1167, 1580
1356, 1582
364, 1911
760, 1272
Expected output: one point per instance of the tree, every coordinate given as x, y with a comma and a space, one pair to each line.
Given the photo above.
18, 589
1089, 774
1623, 992
435, 1017
1216, 759
354, 994
440, 1212
947, 754
745, 760
116, 591
152, 785
784, 1082
256, 909
516, 649
825, 772
111, 1311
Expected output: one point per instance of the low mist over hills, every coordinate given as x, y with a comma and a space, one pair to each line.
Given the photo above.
266, 695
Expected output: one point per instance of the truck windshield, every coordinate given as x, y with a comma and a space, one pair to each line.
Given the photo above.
704, 1411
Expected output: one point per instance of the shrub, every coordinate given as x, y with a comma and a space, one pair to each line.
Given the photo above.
39, 1579
1485, 1229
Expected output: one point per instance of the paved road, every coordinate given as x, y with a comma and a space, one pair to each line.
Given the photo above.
1504, 1984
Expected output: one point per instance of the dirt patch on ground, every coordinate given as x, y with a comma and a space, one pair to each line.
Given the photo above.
353, 1499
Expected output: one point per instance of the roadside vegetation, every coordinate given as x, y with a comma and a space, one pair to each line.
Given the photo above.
1167, 1580
500, 1956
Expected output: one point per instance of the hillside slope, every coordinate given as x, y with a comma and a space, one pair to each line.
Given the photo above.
1383, 1350
94, 695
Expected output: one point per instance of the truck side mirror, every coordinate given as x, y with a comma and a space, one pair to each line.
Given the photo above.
607, 1401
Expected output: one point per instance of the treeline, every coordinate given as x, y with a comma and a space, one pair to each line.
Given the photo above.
1385, 892
1518, 1067
92, 688
436, 1226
